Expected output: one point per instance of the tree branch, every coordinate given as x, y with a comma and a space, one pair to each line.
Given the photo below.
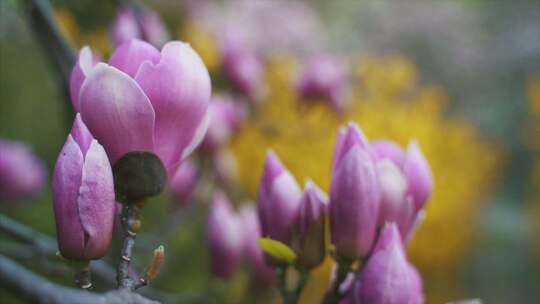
36, 289
45, 245
131, 225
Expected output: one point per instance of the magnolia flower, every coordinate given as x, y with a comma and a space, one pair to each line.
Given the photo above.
144, 100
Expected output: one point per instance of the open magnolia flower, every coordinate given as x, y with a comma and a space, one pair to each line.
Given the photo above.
144, 100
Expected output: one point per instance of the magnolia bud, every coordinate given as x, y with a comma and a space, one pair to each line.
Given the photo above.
354, 196
83, 196
387, 277
279, 199
311, 227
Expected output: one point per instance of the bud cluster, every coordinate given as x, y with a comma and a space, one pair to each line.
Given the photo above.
376, 198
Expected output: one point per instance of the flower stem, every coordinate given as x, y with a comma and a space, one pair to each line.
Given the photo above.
83, 277
131, 224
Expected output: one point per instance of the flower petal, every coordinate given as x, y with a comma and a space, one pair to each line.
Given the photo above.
96, 201
80, 71
179, 89
131, 54
66, 183
117, 112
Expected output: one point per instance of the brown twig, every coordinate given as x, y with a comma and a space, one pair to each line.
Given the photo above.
131, 224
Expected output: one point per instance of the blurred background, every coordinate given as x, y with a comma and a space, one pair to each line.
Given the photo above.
462, 77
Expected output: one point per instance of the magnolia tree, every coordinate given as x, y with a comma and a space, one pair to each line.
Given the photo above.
138, 118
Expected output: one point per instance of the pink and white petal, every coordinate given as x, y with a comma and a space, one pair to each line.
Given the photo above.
129, 56
179, 89
96, 202
117, 112
82, 68
66, 184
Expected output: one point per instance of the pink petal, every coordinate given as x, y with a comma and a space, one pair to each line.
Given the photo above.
66, 183
117, 112
96, 201
131, 54
179, 89
80, 71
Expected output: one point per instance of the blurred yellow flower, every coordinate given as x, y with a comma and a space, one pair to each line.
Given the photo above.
389, 103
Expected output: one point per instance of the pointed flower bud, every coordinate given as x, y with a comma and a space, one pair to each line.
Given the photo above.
311, 227
388, 278
406, 183
83, 196
354, 196
183, 182
144, 100
323, 77
224, 237
279, 199
262, 273
418, 174
395, 205
22, 173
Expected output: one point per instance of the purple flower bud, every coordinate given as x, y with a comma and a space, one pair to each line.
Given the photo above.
405, 181
418, 175
145, 24
22, 174
183, 182
354, 196
387, 277
242, 67
279, 200
125, 26
311, 227
224, 237
323, 77
226, 116
147, 100
83, 195
262, 273
395, 205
